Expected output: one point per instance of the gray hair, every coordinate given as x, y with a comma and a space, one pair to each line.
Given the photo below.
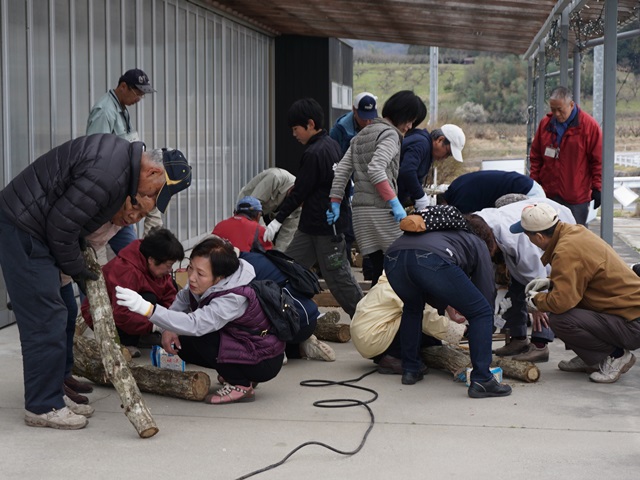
436, 134
561, 93
155, 156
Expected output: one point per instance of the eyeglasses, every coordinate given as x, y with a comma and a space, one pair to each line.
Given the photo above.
136, 91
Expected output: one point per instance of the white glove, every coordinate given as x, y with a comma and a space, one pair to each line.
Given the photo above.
531, 306
537, 285
272, 229
421, 203
133, 301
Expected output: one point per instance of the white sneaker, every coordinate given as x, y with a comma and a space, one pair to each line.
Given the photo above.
63, 419
611, 368
84, 410
314, 349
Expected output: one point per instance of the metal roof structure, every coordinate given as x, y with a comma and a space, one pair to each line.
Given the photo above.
509, 26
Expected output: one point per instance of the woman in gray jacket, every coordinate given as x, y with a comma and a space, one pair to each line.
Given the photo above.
374, 160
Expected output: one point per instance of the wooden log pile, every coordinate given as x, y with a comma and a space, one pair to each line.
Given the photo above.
457, 360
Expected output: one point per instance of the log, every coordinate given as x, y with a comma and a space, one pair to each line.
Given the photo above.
333, 332
190, 385
115, 365
456, 361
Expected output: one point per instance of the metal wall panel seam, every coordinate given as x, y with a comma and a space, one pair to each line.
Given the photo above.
30, 135
72, 67
53, 104
6, 138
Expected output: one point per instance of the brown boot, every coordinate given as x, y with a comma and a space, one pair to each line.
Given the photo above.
75, 396
78, 386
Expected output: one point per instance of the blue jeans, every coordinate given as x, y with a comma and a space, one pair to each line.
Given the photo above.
124, 237
33, 283
516, 316
420, 277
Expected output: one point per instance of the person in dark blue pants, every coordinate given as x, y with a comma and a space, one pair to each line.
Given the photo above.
446, 268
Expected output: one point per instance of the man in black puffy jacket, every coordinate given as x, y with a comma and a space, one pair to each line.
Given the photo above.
45, 211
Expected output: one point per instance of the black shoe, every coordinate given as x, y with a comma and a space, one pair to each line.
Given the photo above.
636, 270
410, 378
490, 388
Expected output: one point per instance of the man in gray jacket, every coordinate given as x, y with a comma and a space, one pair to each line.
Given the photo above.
45, 212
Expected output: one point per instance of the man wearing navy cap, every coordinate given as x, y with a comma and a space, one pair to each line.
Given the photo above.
110, 115
61, 197
348, 125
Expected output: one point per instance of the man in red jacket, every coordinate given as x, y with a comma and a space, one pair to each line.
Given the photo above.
145, 267
566, 155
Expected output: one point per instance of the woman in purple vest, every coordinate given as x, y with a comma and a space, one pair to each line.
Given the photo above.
213, 321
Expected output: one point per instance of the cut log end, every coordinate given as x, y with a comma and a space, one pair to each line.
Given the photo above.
333, 332
149, 432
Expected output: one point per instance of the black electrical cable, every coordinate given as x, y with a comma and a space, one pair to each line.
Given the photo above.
331, 403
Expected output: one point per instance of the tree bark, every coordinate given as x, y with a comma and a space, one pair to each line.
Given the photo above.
333, 332
115, 365
190, 385
456, 361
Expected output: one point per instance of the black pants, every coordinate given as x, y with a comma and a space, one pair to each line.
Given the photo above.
203, 351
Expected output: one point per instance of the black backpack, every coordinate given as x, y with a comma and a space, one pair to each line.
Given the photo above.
300, 278
278, 305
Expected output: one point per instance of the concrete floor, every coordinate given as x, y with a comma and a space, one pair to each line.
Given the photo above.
562, 427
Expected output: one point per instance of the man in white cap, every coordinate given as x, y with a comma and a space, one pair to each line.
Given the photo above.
592, 296
348, 125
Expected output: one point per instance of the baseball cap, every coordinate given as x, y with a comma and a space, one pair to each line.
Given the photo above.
535, 218
249, 204
456, 138
137, 78
178, 173
365, 104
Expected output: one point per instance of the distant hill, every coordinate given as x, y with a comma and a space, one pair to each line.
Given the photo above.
366, 46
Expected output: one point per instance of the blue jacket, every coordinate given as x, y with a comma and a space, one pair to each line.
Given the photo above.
477, 190
415, 162
267, 270
344, 130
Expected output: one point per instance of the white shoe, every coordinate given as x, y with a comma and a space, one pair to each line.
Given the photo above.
84, 410
314, 349
63, 419
611, 368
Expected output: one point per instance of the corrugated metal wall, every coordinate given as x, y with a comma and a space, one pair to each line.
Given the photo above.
212, 77
213, 82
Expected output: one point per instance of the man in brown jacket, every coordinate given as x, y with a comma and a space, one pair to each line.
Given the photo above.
593, 297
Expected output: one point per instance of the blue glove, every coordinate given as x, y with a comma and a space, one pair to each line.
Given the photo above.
334, 214
398, 209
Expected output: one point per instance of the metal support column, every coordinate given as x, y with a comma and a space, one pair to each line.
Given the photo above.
609, 118
564, 48
540, 95
576, 75
433, 86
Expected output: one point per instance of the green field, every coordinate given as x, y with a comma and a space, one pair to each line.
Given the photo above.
487, 141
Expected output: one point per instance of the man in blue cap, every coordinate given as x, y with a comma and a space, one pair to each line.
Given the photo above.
243, 229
